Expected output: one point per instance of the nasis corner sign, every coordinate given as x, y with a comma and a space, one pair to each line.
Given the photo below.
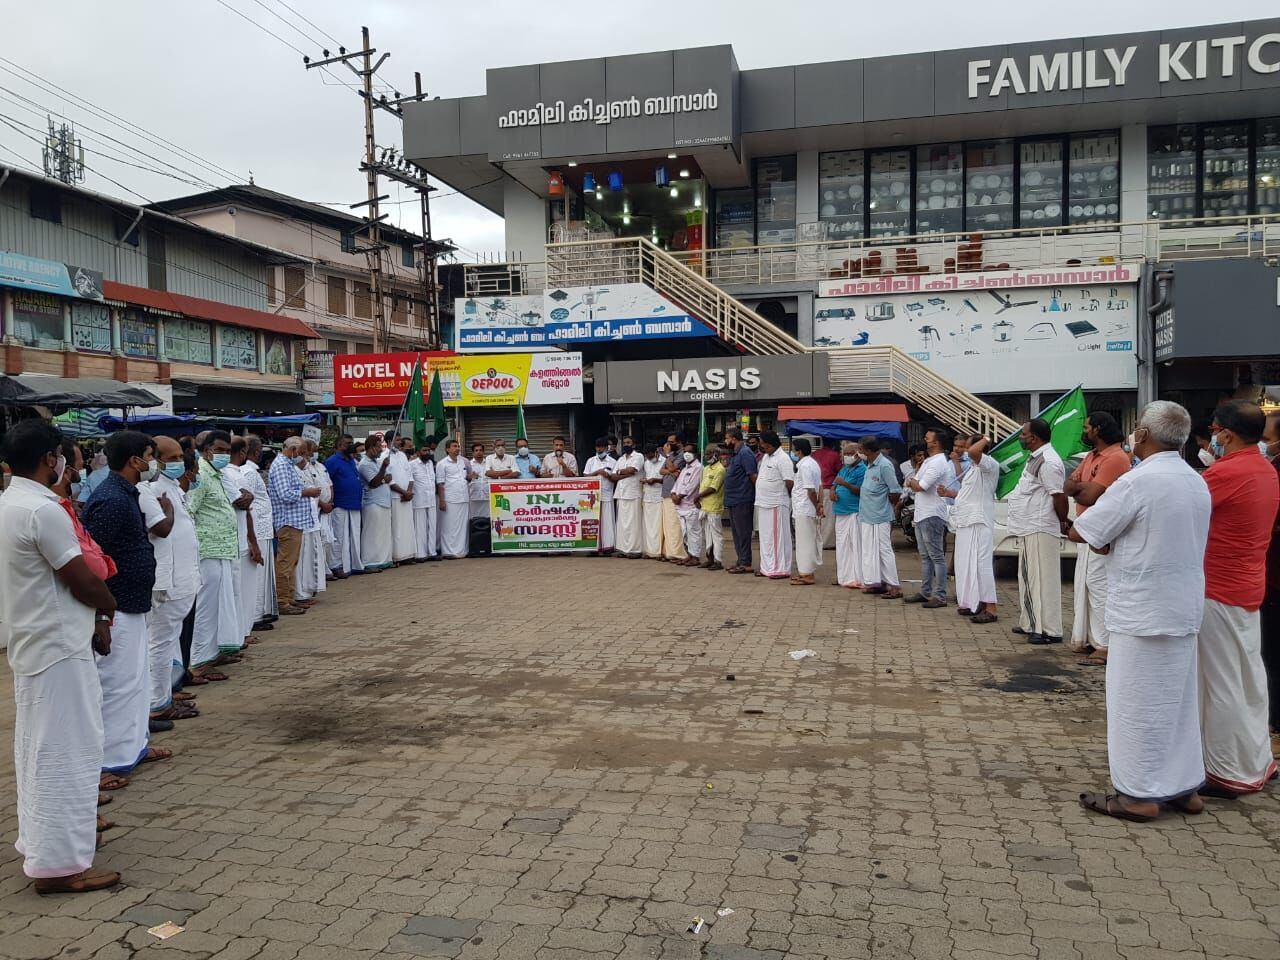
1226, 56
708, 384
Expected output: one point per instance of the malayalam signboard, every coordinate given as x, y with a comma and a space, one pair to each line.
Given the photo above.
537, 516
493, 380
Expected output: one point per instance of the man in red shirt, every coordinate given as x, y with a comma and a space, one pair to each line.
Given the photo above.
1233, 684
1105, 464
828, 458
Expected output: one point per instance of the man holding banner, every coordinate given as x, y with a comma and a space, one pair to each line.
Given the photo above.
1038, 518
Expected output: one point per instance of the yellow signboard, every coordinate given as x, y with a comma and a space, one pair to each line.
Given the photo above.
504, 380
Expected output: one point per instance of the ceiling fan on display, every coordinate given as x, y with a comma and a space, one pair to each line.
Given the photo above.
1006, 303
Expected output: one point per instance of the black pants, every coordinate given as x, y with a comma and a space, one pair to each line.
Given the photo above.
1271, 653
184, 638
741, 519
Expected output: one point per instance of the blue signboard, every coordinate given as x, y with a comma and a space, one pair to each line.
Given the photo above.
49, 276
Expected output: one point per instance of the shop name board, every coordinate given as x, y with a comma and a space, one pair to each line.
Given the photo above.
744, 379
606, 111
994, 280
709, 384
383, 379
49, 276
1109, 66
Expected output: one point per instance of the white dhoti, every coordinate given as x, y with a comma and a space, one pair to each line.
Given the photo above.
330, 541
453, 530
164, 650
691, 530
630, 527
267, 605
403, 540
713, 536
217, 624
424, 532
1087, 628
672, 532
1040, 584
1153, 727
313, 565
808, 545
608, 533
652, 511
375, 537
1233, 698
848, 551
125, 677
879, 565
827, 525
975, 569
346, 535
247, 593
57, 756
775, 540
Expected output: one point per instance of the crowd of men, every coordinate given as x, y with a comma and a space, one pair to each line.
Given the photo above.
123, 596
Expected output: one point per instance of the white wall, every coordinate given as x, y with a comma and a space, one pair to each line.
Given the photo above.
526, 218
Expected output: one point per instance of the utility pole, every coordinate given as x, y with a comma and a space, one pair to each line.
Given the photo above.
372, 168
63, 154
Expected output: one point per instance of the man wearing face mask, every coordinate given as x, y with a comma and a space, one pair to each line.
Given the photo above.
652, 502
293, 513
216, 630
424, 504
740, 497
348, 498
773, 507
250, 559
672, 531
376, 550
846, 490
451, 502
806, 511
173, 538
263, 609
48, 598
114, 519
710, 501
1233, 683
1038, 517
629, 468
974, 517
400, 478
1271, 604
601, 465
685, 497
528, 467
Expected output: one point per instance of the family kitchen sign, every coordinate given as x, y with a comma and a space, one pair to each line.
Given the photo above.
607, 111
1109, 66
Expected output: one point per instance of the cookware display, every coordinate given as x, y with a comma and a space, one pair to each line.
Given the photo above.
1093, 187
989, 166
889, 193
840, 181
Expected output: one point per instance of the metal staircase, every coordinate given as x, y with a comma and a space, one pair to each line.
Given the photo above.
879, 369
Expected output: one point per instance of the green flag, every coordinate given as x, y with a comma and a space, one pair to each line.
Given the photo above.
520, 430
1065, 417
702, 429
435, 409
414, 408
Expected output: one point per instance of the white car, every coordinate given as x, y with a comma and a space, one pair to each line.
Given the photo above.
1005, 544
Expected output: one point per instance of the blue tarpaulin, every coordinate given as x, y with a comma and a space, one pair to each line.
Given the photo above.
846, 429
192, 423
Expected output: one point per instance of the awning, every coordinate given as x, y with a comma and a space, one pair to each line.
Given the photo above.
893, 412
189, 423
845, 429
207, 310
189, 384
38, 391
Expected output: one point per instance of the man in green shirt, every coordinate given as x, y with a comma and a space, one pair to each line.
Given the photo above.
216, 638
710, 501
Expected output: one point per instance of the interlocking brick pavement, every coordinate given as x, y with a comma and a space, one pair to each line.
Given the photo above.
542, 758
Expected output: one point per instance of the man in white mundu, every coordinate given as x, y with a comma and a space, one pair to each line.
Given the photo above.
807, 509
877, 502
246, 571
403, 537
452, 498
845, 493
773, 508
48, 599
313, 561
652, 502
425, 510
629, 469
1037, 517
375, 516
685, 497
974, 518
1154, 520
601, 465
264, 528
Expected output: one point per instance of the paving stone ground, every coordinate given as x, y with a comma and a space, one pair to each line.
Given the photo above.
542, 758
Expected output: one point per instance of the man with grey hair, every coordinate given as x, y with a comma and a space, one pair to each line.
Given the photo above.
292, 514
1154, 523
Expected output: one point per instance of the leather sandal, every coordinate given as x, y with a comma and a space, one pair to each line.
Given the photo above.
86, 881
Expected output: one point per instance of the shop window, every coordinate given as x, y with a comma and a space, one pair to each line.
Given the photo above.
1224, 170
37, 319
91, 326
188, 341
127, 230
889, 193
363, 300
1039, 183
840, 193
735, 221
399, 309
940, 188
337, 346
294, 290
139, 336
989, 200
239, 348
406, 256
1267, 167
1093, 170
348, 241
46, 204
278, 358
272, 295
776, 200
157, 261
337, 288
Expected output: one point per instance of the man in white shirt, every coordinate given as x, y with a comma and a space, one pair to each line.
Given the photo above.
478, 484
424, 503
652, 501
931, 519
48, 599
974, 518
499, 466
773, 507
1154, 521
807, 509
177, 552
264, 610
250, 553
684, 495
401, 478
629, 471
452, 497
1037, 518
313, 564
601, 465
559, 462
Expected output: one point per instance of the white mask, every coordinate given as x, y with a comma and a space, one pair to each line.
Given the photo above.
149, 474
850, 459
59, 469
688, 458
1206, 457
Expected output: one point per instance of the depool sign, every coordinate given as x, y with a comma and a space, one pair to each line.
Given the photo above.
491, 383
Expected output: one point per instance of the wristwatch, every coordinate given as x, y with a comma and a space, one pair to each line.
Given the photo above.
103, 618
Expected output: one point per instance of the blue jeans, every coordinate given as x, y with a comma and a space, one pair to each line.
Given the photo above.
931, 536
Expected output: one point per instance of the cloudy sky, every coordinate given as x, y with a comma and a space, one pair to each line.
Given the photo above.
203, 91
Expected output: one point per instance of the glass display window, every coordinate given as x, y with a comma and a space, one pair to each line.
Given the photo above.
1172, 177
1040, 183
735, 218
841, 199
188, 341
37, 319
1093, 172
776, 200
1267, 167
989, 172
91, 326
889, 195
139, 336
239, 348
940, 188
1224, 170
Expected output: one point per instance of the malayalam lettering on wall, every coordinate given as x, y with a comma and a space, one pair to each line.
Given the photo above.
537, 516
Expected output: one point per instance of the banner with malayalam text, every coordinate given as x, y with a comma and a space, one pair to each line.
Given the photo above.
537, 516
497, 380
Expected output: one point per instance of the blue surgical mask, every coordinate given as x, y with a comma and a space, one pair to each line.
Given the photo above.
795, 457
221, 461
195, 482
964, 458
174, 471
1216, 447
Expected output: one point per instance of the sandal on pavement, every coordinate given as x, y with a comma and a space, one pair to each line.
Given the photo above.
1182, 805
156, 754
109, 781
104, 799
1108, 804
86, 881
984, 617
214, 675
104, 824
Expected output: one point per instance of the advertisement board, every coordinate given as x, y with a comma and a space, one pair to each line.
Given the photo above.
49, 276
537, 516
624, 311
986, 339
493, 380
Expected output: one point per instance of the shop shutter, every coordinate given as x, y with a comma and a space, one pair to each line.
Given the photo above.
543, 424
